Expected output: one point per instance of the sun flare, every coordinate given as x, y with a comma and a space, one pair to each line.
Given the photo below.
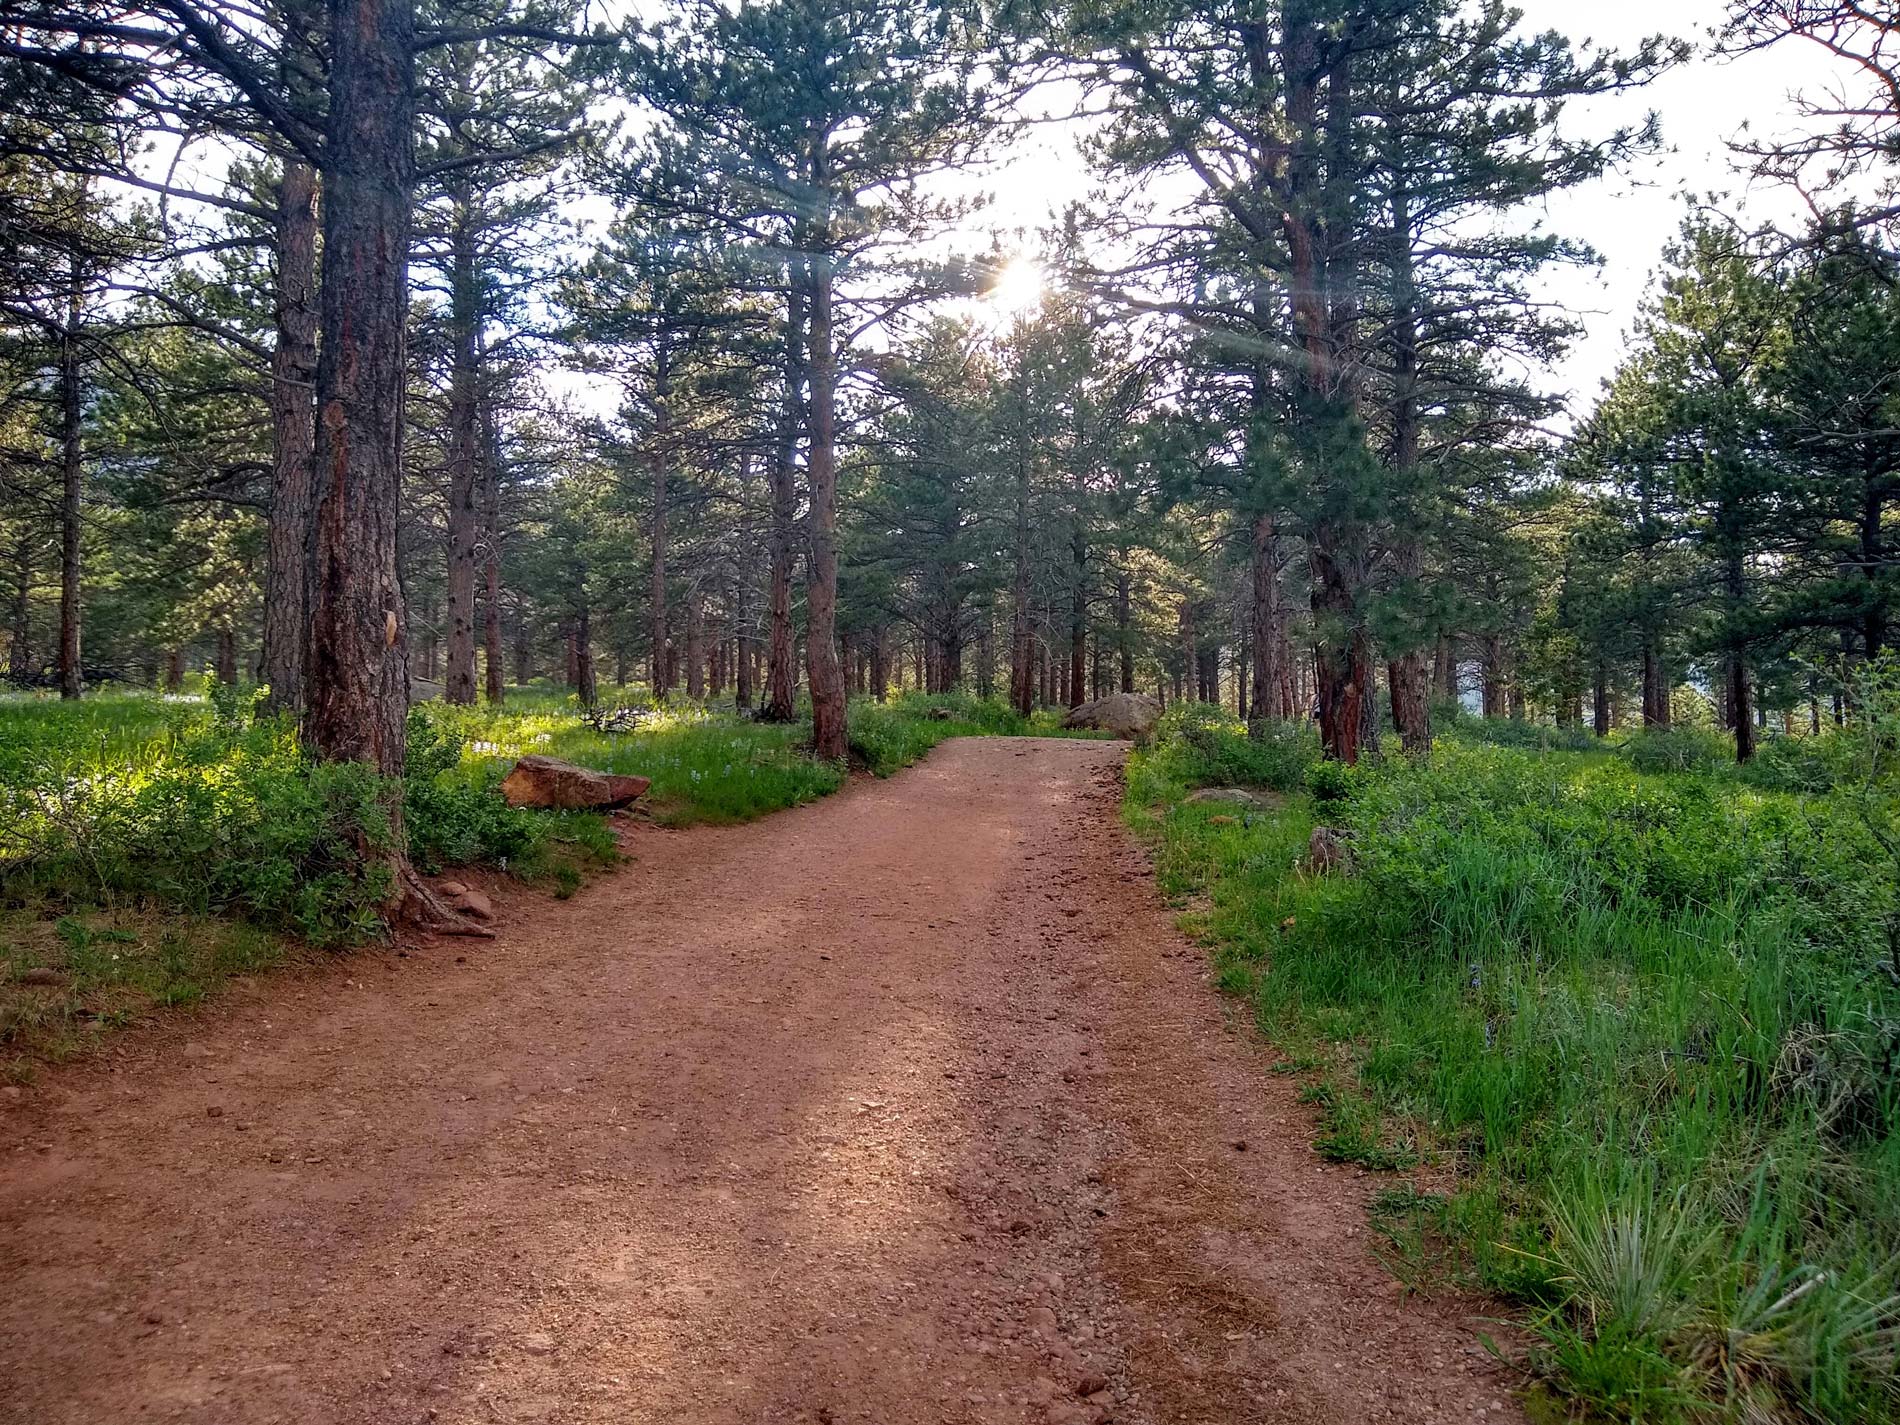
1019, 287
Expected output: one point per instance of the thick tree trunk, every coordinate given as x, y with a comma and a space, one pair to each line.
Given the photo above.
1445, 670
1269, 619
1492, 672
781, 677
355, 674
1078, 614
661, 669
1021, 631
356, 702
293, 436
1342, 663
491, 555
227, 665
585, 684
821, 590
20, 629
72, 487
695, 647
1740, 709
1410, 686
742, 647
1321, 291
1124, 630
1600, 700
1655, 689
464, 453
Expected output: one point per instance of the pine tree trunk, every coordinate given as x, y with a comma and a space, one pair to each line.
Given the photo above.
881, 663
1342, 665
1655, 689
1336, 550
742, 675
661, 671
227, 666
464, 452
1268, 618
20, 631
821, 590
584, 681
294, 436
1740, 709
491, 555
1600, 700
356, 694
1445, 673
695, 647
1124, 630
1407, 676
781, 677
1492, 672
1411, 701
72, 487
1021, 633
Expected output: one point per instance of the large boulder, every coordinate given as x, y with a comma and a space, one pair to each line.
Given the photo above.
537, 781
1129, 715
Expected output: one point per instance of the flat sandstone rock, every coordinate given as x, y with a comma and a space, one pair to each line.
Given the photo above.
537, 781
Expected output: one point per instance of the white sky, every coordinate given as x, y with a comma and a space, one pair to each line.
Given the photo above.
1627, 217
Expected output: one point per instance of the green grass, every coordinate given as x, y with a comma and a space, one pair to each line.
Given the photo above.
191, 840
113, 967
1643, 1023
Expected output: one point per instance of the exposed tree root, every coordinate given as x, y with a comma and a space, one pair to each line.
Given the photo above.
420, 907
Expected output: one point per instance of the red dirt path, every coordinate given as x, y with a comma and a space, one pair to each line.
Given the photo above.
908, 1106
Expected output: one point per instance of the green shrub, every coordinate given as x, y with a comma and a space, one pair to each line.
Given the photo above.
1799, 764
1679, 749
456, 817
1451, 720
1646, 1019
1201, 745
1329, 782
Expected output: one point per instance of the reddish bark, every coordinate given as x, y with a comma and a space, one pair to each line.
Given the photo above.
294, 436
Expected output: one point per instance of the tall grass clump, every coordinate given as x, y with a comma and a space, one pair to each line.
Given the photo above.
1201, 745
1650, 1021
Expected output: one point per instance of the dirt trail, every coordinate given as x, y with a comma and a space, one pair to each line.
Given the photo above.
908, 1106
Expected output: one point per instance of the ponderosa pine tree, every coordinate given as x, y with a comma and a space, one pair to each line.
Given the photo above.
496, 120
811, 124
1333, 142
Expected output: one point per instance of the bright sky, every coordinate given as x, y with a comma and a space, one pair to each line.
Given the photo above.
1627, 217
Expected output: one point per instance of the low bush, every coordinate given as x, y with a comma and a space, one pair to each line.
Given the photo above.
1679, 749
1451, 720
1201, 745
1800, 764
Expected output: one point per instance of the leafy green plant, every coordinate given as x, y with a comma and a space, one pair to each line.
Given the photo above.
1679, 749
